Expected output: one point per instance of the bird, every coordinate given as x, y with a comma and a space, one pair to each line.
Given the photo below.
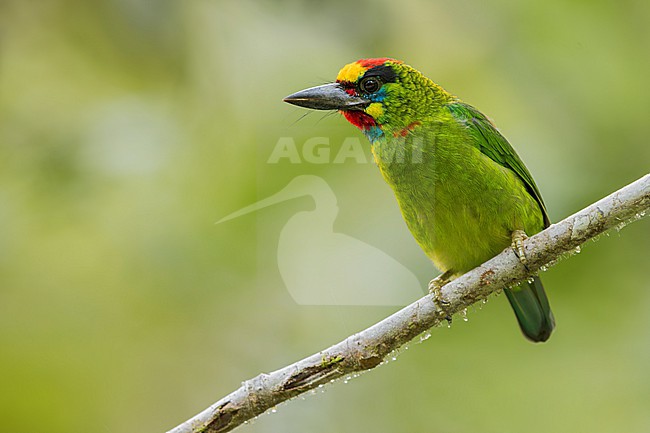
463, 191
320, 266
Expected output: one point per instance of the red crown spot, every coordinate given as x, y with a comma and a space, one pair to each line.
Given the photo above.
371, 63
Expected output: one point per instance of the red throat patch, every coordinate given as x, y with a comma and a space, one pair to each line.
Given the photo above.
359, 119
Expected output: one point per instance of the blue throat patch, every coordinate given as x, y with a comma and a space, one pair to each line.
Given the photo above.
373, 133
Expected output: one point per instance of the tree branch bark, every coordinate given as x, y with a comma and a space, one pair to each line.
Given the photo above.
367, 349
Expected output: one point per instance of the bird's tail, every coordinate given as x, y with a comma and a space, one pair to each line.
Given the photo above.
532, 310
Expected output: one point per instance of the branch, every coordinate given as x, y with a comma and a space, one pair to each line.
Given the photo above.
367, 349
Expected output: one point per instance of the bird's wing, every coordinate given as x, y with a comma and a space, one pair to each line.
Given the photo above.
495, 146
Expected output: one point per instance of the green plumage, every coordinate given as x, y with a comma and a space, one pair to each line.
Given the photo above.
461, 187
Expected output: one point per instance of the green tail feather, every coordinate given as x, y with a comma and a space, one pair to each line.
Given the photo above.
532, 310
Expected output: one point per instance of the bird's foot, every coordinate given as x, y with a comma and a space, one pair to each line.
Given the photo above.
518, 238
435, 287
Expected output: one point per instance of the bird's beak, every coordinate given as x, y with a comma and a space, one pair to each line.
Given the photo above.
327, 97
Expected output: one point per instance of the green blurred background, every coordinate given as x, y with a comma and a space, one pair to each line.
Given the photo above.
128, 127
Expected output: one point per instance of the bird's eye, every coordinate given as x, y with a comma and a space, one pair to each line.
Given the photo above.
370, 85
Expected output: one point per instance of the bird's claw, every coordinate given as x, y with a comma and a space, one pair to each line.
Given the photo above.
435, 287
518, 238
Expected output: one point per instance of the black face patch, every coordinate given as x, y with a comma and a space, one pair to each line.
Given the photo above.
384, 72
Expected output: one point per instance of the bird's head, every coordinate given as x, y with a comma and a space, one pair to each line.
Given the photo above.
379, 96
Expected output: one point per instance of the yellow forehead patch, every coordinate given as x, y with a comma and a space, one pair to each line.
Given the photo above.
351, 72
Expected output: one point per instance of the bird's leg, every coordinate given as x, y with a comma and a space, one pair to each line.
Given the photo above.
436, 284
434, 288
518, 238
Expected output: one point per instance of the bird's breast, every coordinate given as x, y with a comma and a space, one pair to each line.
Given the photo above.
459, 205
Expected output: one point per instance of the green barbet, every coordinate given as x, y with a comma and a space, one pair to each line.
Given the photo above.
463, 191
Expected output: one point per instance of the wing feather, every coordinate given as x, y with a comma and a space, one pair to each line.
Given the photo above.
488, 139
